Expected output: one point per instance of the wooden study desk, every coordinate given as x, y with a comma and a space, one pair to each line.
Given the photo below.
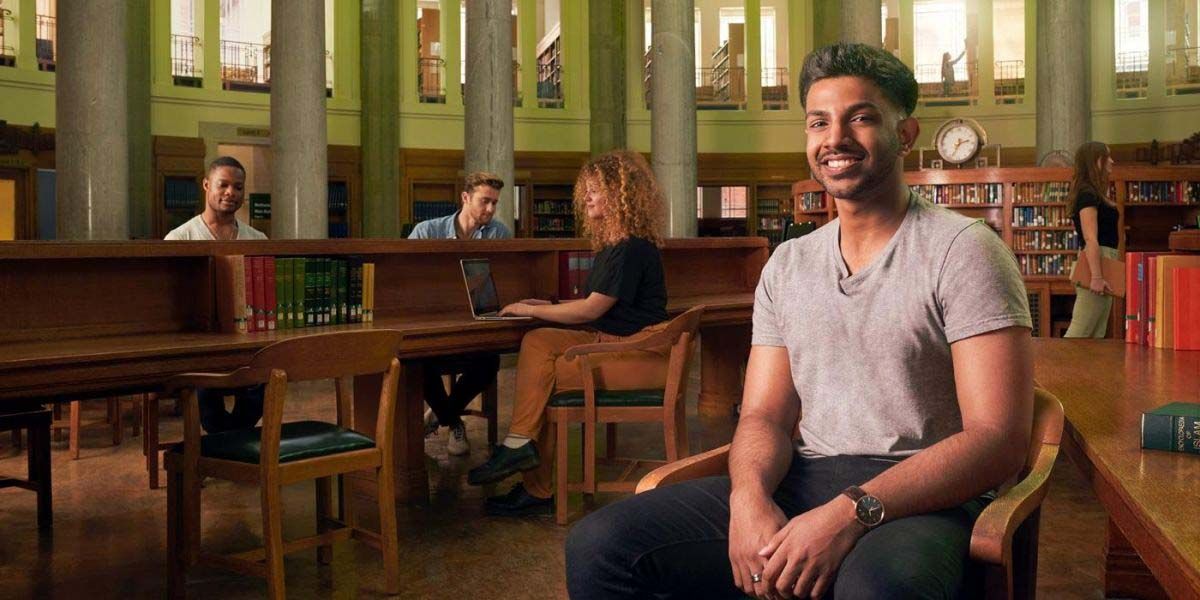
84, 320
1150, 496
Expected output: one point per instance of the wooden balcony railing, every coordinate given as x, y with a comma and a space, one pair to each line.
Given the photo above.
1183, 70
245, 66
1132, 77
1009, 81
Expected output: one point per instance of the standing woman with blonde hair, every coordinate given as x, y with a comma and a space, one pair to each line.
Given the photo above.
1096, 223
625, 298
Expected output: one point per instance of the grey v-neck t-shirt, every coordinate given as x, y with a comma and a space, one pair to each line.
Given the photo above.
870, 352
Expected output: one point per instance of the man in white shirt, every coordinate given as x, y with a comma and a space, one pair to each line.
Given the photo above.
224, 192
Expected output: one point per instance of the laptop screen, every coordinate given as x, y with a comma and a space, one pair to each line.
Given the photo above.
482, 288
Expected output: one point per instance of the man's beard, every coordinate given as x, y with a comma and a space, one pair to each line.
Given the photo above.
872, 177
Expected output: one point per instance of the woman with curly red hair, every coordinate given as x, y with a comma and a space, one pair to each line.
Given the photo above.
625, 297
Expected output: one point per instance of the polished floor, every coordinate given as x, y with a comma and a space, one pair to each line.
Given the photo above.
109, 528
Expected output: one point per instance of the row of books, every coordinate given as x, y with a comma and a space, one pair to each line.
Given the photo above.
563, 224
423, 210
574, 268
554, 207
1169, 192
1162, 300
266, 293
1041, 216
770, 223
812, 201
1054, 265
339, 197
1045, 240
339, 230
180, 192
965, 193
1051, 191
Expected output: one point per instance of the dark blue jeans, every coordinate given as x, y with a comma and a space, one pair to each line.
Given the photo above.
673, 542
473, 373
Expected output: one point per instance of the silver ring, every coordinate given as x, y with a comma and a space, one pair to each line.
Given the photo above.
756, 577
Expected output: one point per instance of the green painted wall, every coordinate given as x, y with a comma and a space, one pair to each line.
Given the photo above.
27, 95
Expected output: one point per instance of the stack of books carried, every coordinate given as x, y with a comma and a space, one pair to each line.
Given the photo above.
268, 293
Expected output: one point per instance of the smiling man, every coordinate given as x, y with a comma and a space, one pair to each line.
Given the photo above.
224, 191
889, 389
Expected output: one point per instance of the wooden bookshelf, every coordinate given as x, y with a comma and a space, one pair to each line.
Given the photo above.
772, 210
1027, 208
431, 200
552, 211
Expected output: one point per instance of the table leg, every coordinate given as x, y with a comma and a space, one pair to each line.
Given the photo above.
412, 481
1125, 575
723, 353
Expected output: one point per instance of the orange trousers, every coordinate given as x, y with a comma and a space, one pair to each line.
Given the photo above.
542, 371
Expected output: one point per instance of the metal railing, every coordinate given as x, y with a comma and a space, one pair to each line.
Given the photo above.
1009, 78
431, 80
47, 42
8, 55
245, 66
184, 68
775, 83
1183, 70
721, 89
1132, 76
934, 89
549, 86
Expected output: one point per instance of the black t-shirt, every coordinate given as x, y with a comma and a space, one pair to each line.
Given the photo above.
632, 272
1106, 219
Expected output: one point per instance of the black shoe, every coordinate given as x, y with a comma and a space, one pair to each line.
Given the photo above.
518, 503
504, 462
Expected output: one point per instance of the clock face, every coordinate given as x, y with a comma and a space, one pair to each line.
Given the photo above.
869, 511
958, 142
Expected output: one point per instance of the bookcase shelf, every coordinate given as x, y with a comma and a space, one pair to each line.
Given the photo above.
1033, 220
772, 207
552, 211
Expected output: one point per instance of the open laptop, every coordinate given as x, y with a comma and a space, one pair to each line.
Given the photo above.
481, 291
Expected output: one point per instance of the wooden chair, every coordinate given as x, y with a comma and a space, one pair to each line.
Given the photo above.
591, 406
1004, 539
36, 420
74, 423
278, 454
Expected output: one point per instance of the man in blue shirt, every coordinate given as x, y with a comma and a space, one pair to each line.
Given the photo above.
474, 219
475, 372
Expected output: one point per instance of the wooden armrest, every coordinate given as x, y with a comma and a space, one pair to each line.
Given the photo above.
242, 377
991, 538
657, 340
705, 464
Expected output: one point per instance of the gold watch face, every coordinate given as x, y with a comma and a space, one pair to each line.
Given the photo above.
869, 511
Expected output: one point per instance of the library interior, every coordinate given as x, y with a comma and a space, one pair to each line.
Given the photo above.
843, 281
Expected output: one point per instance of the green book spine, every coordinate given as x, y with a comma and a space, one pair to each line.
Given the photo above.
1174, 433
281, 286
326, 291
342, 285
355, 291
298, 293
336, 290
311, 275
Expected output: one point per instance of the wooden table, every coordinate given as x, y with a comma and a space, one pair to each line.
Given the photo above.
84, 320
1152, 497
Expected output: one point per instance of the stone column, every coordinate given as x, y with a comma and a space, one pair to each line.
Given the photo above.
299, 172
488, 139
141, 159
380, 48
673, 111
1063, 106
862, 22
606, 56
92, 149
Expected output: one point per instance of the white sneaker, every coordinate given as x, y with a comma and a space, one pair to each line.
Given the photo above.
431, 422
456, 443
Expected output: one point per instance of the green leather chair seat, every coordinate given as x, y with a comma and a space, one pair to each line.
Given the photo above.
609, 398
298, 440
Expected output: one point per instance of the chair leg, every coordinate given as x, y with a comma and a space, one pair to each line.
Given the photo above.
388, 537
114, 411
324, 486
273, 539
39, 469
561, 463
589, 457
176, 534
73, 434
150, 440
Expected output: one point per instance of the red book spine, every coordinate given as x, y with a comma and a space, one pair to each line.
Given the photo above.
269, 290
1132, 282
564, 275
260, 306
574, 275
1151, 296
251, 303
1186, 305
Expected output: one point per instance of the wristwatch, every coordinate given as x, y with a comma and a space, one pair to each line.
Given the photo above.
868, 510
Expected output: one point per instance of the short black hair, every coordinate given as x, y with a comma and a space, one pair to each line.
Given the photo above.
224, 161
860, 60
